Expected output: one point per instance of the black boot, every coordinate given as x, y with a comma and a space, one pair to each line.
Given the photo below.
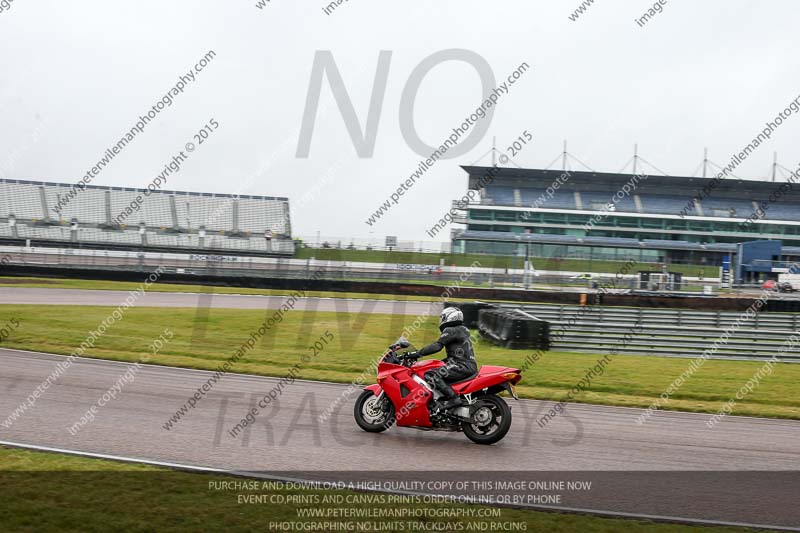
451, 403
449, 398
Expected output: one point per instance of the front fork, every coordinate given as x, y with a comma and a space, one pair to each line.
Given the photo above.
380, 398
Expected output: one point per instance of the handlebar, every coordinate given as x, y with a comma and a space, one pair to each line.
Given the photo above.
409, 357
405, 358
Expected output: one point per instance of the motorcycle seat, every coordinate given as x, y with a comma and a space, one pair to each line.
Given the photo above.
460, 381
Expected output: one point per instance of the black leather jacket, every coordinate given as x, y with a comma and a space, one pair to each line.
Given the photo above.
458, 345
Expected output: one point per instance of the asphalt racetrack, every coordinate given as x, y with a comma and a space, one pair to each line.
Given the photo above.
33, 296
744, 471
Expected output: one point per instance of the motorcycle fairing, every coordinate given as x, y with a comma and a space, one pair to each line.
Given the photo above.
410, 397
488, 376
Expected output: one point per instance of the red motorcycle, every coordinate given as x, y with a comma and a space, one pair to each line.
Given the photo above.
403, 397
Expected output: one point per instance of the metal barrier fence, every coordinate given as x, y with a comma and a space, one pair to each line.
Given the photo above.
486, 276
670, 332
675, 317
252, 266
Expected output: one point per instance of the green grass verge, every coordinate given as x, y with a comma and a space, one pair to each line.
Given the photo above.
54, 492
628, 380
493, 261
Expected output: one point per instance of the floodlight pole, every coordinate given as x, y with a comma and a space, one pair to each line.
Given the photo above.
635, 157
705, 161
564, 157
774, 165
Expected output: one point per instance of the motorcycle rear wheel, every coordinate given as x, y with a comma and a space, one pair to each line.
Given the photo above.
491, 421
370, 417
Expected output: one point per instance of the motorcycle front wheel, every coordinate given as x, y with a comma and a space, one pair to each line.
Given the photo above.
373, 416
491, 420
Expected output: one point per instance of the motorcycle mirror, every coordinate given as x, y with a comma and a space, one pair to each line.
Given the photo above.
402, 342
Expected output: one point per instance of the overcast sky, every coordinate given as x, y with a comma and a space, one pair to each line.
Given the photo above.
77, 75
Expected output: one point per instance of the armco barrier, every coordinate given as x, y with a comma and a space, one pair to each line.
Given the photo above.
514, 329
669, 332
676, 318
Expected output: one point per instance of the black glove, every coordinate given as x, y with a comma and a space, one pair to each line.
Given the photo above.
391, 358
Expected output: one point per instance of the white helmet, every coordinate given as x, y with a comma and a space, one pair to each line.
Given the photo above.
449, 316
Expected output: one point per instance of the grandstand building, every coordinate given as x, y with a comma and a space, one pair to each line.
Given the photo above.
571, 214
139, 219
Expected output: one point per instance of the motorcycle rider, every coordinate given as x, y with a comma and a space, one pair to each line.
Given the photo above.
460, 361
